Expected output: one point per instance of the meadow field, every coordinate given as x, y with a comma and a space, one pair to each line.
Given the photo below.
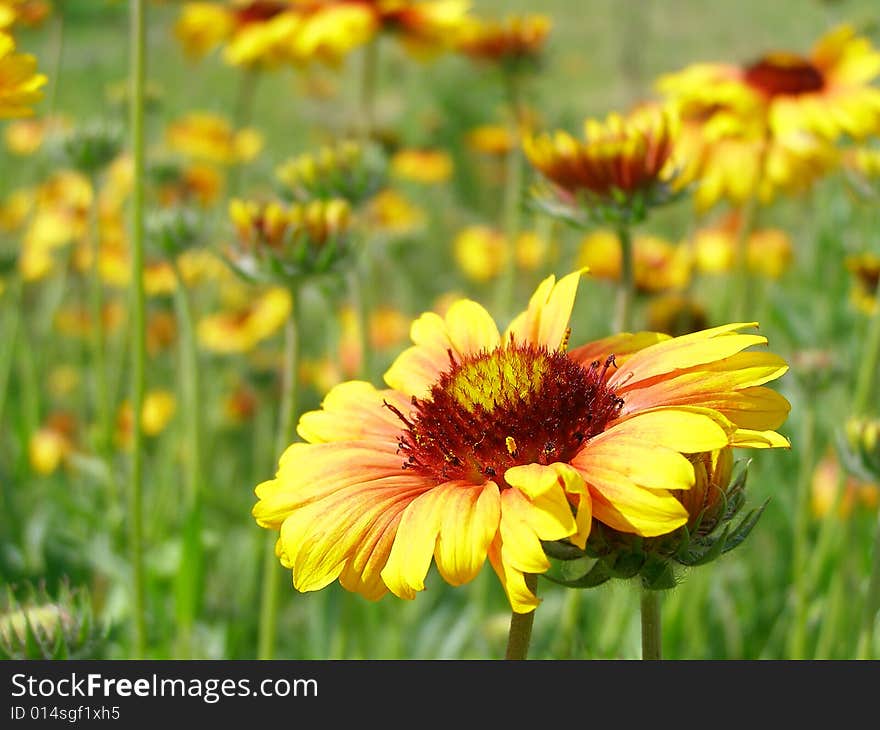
301, 200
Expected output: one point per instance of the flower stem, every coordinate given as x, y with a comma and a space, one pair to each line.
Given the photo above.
286, 421
799, 574
627, 286
651, 624
190, 572
99, 359
138, 305
520, 634
864, 385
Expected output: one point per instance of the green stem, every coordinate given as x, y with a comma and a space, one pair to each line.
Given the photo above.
870, 362
286, 422
138, 305
627, 287
510, 203
864, 386
190, 573
10, 332
520, 634
797, 638
651, 624
99, 338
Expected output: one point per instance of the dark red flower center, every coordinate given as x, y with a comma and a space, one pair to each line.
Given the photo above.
784, 74
259, 11
514, 405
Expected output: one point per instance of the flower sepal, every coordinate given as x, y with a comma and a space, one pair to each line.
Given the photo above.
657, 561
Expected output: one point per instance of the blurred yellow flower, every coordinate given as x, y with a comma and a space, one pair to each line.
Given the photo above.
29, 13
424, 166
510, 41
619, 156
52, 443
76, 321
15, 209
865, 271
769, 250
389, 211
23, 137
658, 264
240, 330
491, 139
210, 138
387, 327
481, 252
825, 490
20, 83
158, 409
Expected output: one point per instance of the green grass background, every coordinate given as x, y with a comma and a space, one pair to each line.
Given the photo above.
603, 56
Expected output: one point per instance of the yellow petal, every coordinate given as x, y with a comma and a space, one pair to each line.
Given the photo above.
471, 328
410, 556
622, 505
687, 429
545, 322
470, 523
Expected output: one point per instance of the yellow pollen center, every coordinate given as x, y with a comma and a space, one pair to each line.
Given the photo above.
500, 378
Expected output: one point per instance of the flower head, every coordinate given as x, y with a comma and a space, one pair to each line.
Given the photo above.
345, 170
622, 165
515, 42
240, 328
276, 241
20, 84
488, 446
865, 271
210, 138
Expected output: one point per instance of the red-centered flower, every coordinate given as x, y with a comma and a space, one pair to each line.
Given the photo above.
487, 444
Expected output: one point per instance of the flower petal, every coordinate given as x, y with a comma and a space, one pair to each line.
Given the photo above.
624, 506
471, 328
470, 523
352, 411
687, 429
404, 572
545, 322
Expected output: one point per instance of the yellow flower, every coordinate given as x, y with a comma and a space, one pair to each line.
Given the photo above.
482, 251
15, 209
391, 212
827, 93
243, 329
424, 166
768, 250
24, 137
210, 138
865, 270
425, 27
486, 444
491, 139
511, 41
658, 264
620, 156
158, 409
29, 13
826, 485
202, 26
20, 83
51, 444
